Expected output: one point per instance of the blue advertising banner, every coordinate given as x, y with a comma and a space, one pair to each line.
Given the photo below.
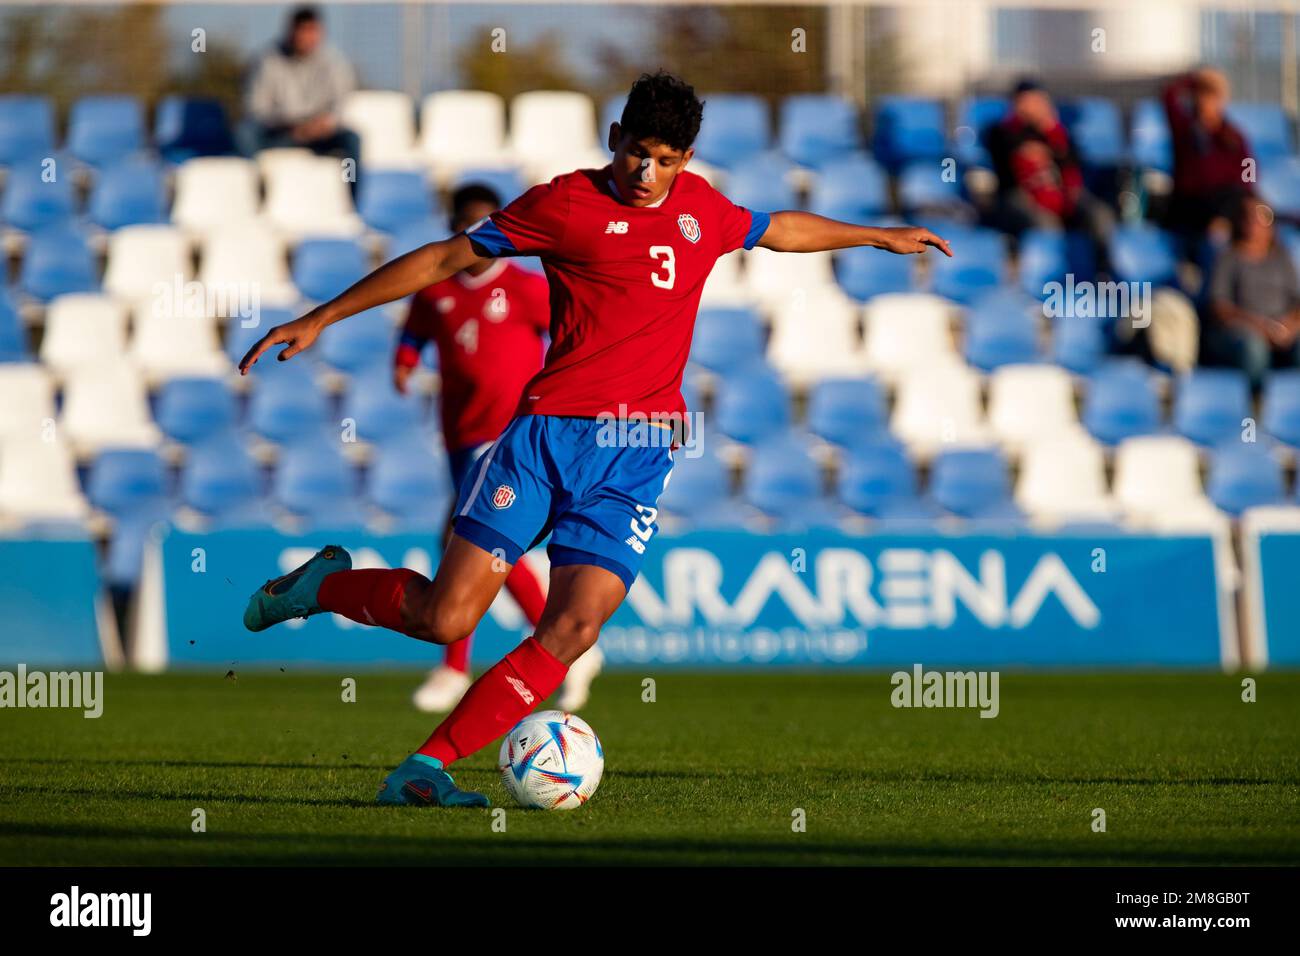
735, 599
1271, 555
50, 592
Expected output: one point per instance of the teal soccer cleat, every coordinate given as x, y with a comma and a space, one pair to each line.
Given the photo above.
422, 782
294, 595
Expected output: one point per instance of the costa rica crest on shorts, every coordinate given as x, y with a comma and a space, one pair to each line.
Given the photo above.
503, 497
690, 227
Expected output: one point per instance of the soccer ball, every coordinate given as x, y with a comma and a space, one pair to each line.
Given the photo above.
551, 761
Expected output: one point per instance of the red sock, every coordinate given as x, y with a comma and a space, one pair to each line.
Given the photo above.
526, 588
458, 655
372, 596
497, 701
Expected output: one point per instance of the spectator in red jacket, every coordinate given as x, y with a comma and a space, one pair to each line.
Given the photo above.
1209, 159
1040, 178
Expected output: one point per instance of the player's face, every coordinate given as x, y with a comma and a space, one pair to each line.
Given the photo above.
644, 168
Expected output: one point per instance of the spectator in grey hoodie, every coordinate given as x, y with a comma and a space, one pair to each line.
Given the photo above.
296, 91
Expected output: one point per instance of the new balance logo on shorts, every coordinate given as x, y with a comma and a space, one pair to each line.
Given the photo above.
521, 689
503, 497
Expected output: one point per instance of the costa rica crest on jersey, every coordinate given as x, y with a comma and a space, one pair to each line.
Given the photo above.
690, 227
503, 497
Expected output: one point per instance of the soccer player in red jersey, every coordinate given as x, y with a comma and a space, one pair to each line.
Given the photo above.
626, 250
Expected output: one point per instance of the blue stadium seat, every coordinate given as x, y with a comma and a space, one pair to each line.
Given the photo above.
975, 114
314, 481
287, 406
878, 480
1042, 258
241, 338
1143, 253
128, 193
57, 261
784, 482
127, 480
752, 404
413, 235
863, 272
762, 183
1151, 144
382, 415
908, 129
735, 129
26, 127
1280, 415
979, 265
727, 339
1279, 186
1001, 329
505, 182
190, 410
1266, 128
922, 186
365, 340
220, 479
851, 189
322, 268
31, 203
1244, 476
817, 127
13, 335
848, 412
1097, 130
1121, 402
973, 483
185, 127
1210, 405
700, 493
389, 199
102, 129
410, 483
1078, 344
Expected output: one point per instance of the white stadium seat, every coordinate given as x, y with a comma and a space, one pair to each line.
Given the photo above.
908, 330
1063, 478
245, 259
26, 400
309, 196
1158, 479
141, 259
460, 129
213, 191
1028, 403
38, 481
726, 283
106, 406
385, 121
816, 337
166, 345
83, 329
547, 166
772, 277
546, 124
938, 406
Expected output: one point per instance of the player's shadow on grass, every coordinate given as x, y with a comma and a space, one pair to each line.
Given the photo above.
163, 764
153, 796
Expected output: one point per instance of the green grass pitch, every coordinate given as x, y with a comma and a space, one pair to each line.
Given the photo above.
710, 773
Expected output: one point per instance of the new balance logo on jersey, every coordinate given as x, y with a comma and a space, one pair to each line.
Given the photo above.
617, 228
522, 690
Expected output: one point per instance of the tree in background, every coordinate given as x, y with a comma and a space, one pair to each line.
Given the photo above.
540, 65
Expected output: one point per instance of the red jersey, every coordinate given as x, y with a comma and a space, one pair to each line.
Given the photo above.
488, 329
625, 285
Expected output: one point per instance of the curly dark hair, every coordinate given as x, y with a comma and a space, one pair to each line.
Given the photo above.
664, 107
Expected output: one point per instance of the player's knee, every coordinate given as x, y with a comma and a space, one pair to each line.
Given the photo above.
569, 635
438, 621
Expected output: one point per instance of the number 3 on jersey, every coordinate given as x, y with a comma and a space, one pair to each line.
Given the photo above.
669, 266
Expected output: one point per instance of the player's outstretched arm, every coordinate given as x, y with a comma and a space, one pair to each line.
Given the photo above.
793, 231
391, 281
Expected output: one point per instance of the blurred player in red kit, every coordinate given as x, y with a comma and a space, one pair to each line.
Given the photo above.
487, 323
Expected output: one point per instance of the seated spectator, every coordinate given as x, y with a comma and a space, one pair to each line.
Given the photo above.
296, 91
1208, 156
1040, 179
1253, 320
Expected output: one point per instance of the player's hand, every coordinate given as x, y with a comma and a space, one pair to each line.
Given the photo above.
401, 375
297, 335
910, 240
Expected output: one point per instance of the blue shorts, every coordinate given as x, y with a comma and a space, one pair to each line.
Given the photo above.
589, 484
462, 460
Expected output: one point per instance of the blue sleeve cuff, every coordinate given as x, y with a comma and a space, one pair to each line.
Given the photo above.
487, 235
758, 223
